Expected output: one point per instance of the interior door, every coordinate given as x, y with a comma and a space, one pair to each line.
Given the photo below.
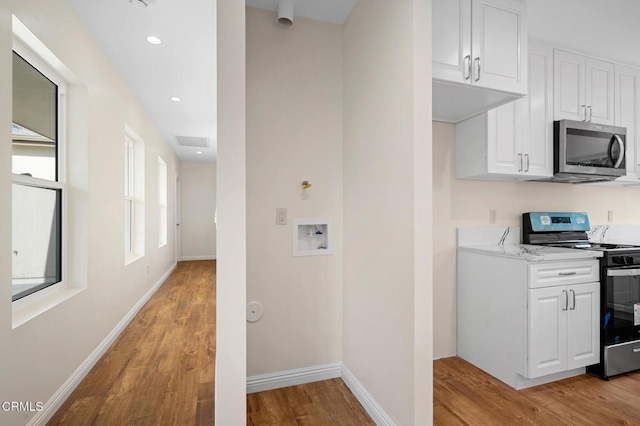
178, 220
547, 330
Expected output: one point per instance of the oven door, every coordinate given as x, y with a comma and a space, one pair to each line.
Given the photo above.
621, 305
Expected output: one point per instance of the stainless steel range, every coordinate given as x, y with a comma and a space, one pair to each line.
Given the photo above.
619, 286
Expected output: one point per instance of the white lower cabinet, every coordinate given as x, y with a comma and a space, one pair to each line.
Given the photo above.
528, 322
563, 328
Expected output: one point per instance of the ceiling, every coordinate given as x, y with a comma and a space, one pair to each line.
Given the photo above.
334, 11
184, 65
602, 28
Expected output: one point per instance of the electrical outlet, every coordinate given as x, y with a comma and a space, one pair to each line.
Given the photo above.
610, 216
493, 215
281, 216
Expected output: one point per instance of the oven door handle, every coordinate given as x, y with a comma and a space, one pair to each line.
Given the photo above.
622, 272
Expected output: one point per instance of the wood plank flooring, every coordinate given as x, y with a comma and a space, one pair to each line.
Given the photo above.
160, 371
328, 402
465, 395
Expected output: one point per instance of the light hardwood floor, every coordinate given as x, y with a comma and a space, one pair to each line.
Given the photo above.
160, 371
328, 402
465, 395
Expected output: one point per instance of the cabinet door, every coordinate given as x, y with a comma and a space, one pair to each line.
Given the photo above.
504, 155
599, 91
547, 331
583, 333
452, 40
537, 140
499, 45
627, 96
569, 82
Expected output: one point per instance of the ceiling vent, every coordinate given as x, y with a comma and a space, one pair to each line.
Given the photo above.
197, 142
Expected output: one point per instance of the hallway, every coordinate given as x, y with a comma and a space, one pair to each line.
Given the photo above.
161, 368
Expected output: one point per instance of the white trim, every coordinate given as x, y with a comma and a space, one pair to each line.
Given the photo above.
364, 397
282, 379
205, 257
60, 396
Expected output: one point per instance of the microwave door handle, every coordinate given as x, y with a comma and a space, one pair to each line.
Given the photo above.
621, 155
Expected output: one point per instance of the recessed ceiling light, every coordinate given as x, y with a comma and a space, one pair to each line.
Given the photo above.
175, 99
154, 40
198, 152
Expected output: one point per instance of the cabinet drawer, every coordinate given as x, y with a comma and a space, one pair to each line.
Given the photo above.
562, 273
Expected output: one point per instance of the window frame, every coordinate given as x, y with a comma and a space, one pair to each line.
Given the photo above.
59, 184
163, 202
136, 167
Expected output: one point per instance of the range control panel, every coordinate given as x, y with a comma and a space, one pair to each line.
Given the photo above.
557, 222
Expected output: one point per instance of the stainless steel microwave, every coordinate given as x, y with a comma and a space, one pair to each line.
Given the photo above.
588, 152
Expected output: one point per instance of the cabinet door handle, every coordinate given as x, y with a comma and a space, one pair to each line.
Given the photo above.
584, 112
573, 296
590, 113
466, 64
526, 168
566, 300
478, 68
520, 169
565, 274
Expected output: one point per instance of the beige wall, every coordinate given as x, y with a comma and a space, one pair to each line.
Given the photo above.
231, 338
459, 202
198, 200
294, 133
40, 355
386, 205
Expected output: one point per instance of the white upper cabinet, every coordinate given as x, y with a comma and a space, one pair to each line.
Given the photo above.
584, 88
515, 140
479, 56
452, 40
537, 138
498, 51
627, 113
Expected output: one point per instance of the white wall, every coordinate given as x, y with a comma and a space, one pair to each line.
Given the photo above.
198, 204
459, 202
386, 205
38, 356
294, 133
231, 350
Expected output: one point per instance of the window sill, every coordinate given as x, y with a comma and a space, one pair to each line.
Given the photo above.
130, 258
31, 310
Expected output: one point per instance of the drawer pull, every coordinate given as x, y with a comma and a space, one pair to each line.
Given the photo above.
636, 349
565, 274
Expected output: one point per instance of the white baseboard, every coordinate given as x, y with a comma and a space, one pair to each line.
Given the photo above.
282, 379
190, 258
364, 397
61, 395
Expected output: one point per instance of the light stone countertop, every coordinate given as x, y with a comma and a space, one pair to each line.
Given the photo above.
531, 253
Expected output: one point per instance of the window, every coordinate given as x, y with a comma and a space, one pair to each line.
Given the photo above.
38, 179
133, 196
162, 203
